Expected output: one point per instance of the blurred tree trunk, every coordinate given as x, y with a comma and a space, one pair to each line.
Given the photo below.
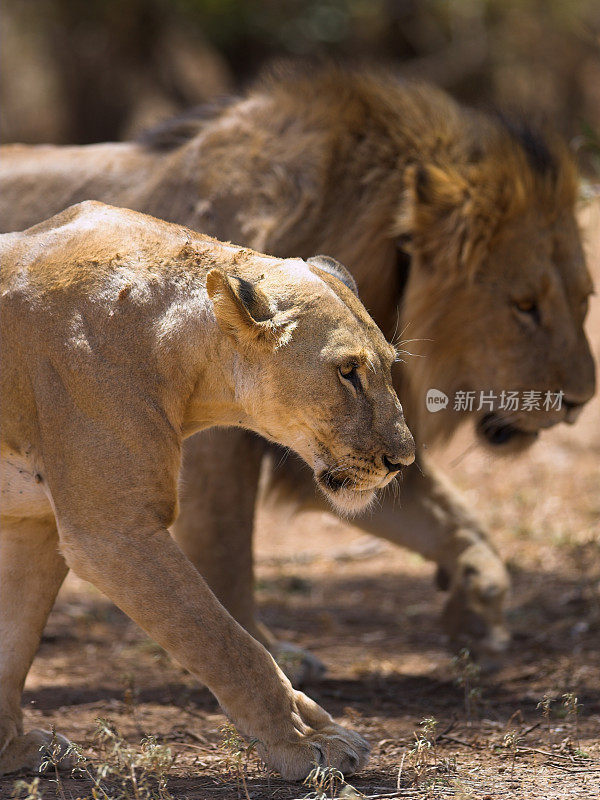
100, 70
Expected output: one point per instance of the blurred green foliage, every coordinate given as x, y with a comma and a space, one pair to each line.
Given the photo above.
84, 70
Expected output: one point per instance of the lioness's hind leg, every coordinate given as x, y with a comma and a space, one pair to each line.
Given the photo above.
31, 572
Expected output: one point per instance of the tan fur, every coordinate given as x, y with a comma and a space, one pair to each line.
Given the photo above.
121, 335
372, 171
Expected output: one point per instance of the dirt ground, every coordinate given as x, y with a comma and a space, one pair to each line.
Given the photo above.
370, 612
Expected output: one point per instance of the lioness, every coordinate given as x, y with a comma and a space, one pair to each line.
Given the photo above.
121, 336
459, 229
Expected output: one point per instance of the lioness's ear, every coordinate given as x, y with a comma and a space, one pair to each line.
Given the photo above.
333, 267
242, 310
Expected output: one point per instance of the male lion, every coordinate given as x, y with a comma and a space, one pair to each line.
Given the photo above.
122, 335
459, 229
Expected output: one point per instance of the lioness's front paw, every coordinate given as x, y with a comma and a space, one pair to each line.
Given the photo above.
317, 740
474, 613
299, 665
29, 752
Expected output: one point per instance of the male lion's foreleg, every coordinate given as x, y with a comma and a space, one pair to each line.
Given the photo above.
31, 572
148, 576
219, 485
428, 517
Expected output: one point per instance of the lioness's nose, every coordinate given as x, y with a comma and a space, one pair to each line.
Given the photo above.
400, 459
392, 466
399, 448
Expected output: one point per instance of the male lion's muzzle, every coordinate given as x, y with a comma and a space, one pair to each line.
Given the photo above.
498, 431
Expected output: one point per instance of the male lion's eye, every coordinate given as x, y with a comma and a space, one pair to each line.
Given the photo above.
529, 307
350, 375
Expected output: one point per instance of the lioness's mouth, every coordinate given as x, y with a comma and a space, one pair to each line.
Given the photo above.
334, 482
498, 432
341, 491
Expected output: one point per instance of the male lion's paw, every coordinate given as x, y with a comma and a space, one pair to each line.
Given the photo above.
474, 613
27, 753
487, 639
299, 665
318, 741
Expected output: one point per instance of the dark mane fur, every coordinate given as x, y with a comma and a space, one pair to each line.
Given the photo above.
176, 131
173, 133
532, 142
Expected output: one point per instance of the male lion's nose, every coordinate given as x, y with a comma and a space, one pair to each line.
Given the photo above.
573, 409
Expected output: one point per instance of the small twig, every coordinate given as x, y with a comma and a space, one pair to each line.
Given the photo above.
460, 741
202, 739
400, 769
541, 752
446, 731
192, 713
59, 782
589, 770
188, 745
531, 728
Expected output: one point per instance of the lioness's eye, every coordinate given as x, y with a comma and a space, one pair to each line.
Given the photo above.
350, 374
529, 307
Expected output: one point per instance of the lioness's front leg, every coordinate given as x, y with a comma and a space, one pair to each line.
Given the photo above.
114, 500
145, 574
31, 572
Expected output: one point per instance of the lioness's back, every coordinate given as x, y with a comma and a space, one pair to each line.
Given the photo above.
86, 242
